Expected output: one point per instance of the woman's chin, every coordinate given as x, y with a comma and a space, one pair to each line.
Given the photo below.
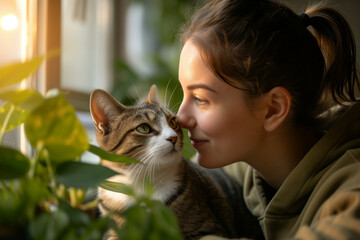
207, 161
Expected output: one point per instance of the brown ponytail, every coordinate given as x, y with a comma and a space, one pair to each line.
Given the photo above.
336, 41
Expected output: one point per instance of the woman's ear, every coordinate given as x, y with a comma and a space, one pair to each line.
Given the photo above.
278, 103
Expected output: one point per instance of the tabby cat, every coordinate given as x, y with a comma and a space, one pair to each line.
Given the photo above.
204, 201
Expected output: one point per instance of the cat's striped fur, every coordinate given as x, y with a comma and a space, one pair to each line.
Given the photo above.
204, 201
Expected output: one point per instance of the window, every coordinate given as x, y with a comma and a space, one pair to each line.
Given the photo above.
83, 30
13, 45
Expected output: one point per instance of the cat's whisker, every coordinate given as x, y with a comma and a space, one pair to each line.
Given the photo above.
152, 161
166, 90
175, 106
133, 174
139, 173
132, 170
150, 168
148, 175
139, 153
138, 95
172, 94
131, 100
156, 164
147, 159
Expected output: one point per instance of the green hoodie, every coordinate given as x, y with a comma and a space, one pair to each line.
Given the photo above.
320, 199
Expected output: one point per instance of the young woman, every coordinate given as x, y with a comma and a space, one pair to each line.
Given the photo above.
275, 93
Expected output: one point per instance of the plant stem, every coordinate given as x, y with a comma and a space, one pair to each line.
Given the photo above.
4, 186
34, 160
89, 205
73, 198
80, 195
76, 197
6, 122
51, 171
61, 191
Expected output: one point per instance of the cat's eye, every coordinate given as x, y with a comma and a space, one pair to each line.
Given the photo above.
144, 128
173, 123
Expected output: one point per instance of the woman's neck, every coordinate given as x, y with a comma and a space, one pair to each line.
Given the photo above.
283, 150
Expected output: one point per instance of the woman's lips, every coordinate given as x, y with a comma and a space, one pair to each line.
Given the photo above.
197, 143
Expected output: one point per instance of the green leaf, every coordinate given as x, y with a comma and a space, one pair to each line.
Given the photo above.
61, 152
19, 205
97, 229
77, 217
16, 119
55, 126
27, 99
13, 164
81, 225
82, 175
118, 187
149, 219
165, 221
15, 73
11, 207
138, 222
49, 226
110, 156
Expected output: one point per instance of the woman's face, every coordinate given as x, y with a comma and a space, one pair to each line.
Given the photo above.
221, 126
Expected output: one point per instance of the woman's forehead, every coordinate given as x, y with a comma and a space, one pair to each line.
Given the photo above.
193, 72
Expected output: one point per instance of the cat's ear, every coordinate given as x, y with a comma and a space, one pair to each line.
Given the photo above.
152, 96
103, 107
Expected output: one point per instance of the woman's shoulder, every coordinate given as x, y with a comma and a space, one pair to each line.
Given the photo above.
344, 173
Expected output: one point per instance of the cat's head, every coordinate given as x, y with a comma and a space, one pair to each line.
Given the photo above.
136, 131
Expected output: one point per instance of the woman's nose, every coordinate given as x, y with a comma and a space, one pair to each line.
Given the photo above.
185, 118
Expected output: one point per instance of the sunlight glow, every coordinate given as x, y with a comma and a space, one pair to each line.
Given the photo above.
9, 22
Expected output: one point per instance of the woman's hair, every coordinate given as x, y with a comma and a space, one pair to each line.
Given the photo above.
256, 45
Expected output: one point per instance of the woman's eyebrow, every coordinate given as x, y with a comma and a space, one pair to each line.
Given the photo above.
197, 86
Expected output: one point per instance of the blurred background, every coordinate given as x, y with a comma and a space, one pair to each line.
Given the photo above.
122, 46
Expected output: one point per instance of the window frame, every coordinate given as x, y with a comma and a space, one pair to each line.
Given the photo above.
48, 38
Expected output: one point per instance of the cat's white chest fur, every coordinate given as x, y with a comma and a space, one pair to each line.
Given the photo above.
115, 200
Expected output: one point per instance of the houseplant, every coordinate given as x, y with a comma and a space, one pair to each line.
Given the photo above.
43, 193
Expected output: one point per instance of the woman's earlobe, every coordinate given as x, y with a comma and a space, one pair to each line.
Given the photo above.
278, 107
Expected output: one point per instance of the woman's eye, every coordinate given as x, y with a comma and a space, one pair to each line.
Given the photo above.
144, 128
200, 101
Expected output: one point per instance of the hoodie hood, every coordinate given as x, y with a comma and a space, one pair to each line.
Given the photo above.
292, 196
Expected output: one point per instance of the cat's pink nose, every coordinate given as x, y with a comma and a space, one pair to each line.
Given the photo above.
172, 139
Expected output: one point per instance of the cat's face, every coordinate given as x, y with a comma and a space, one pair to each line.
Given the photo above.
144, 131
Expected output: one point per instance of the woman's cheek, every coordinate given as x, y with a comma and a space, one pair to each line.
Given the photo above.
209, 123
